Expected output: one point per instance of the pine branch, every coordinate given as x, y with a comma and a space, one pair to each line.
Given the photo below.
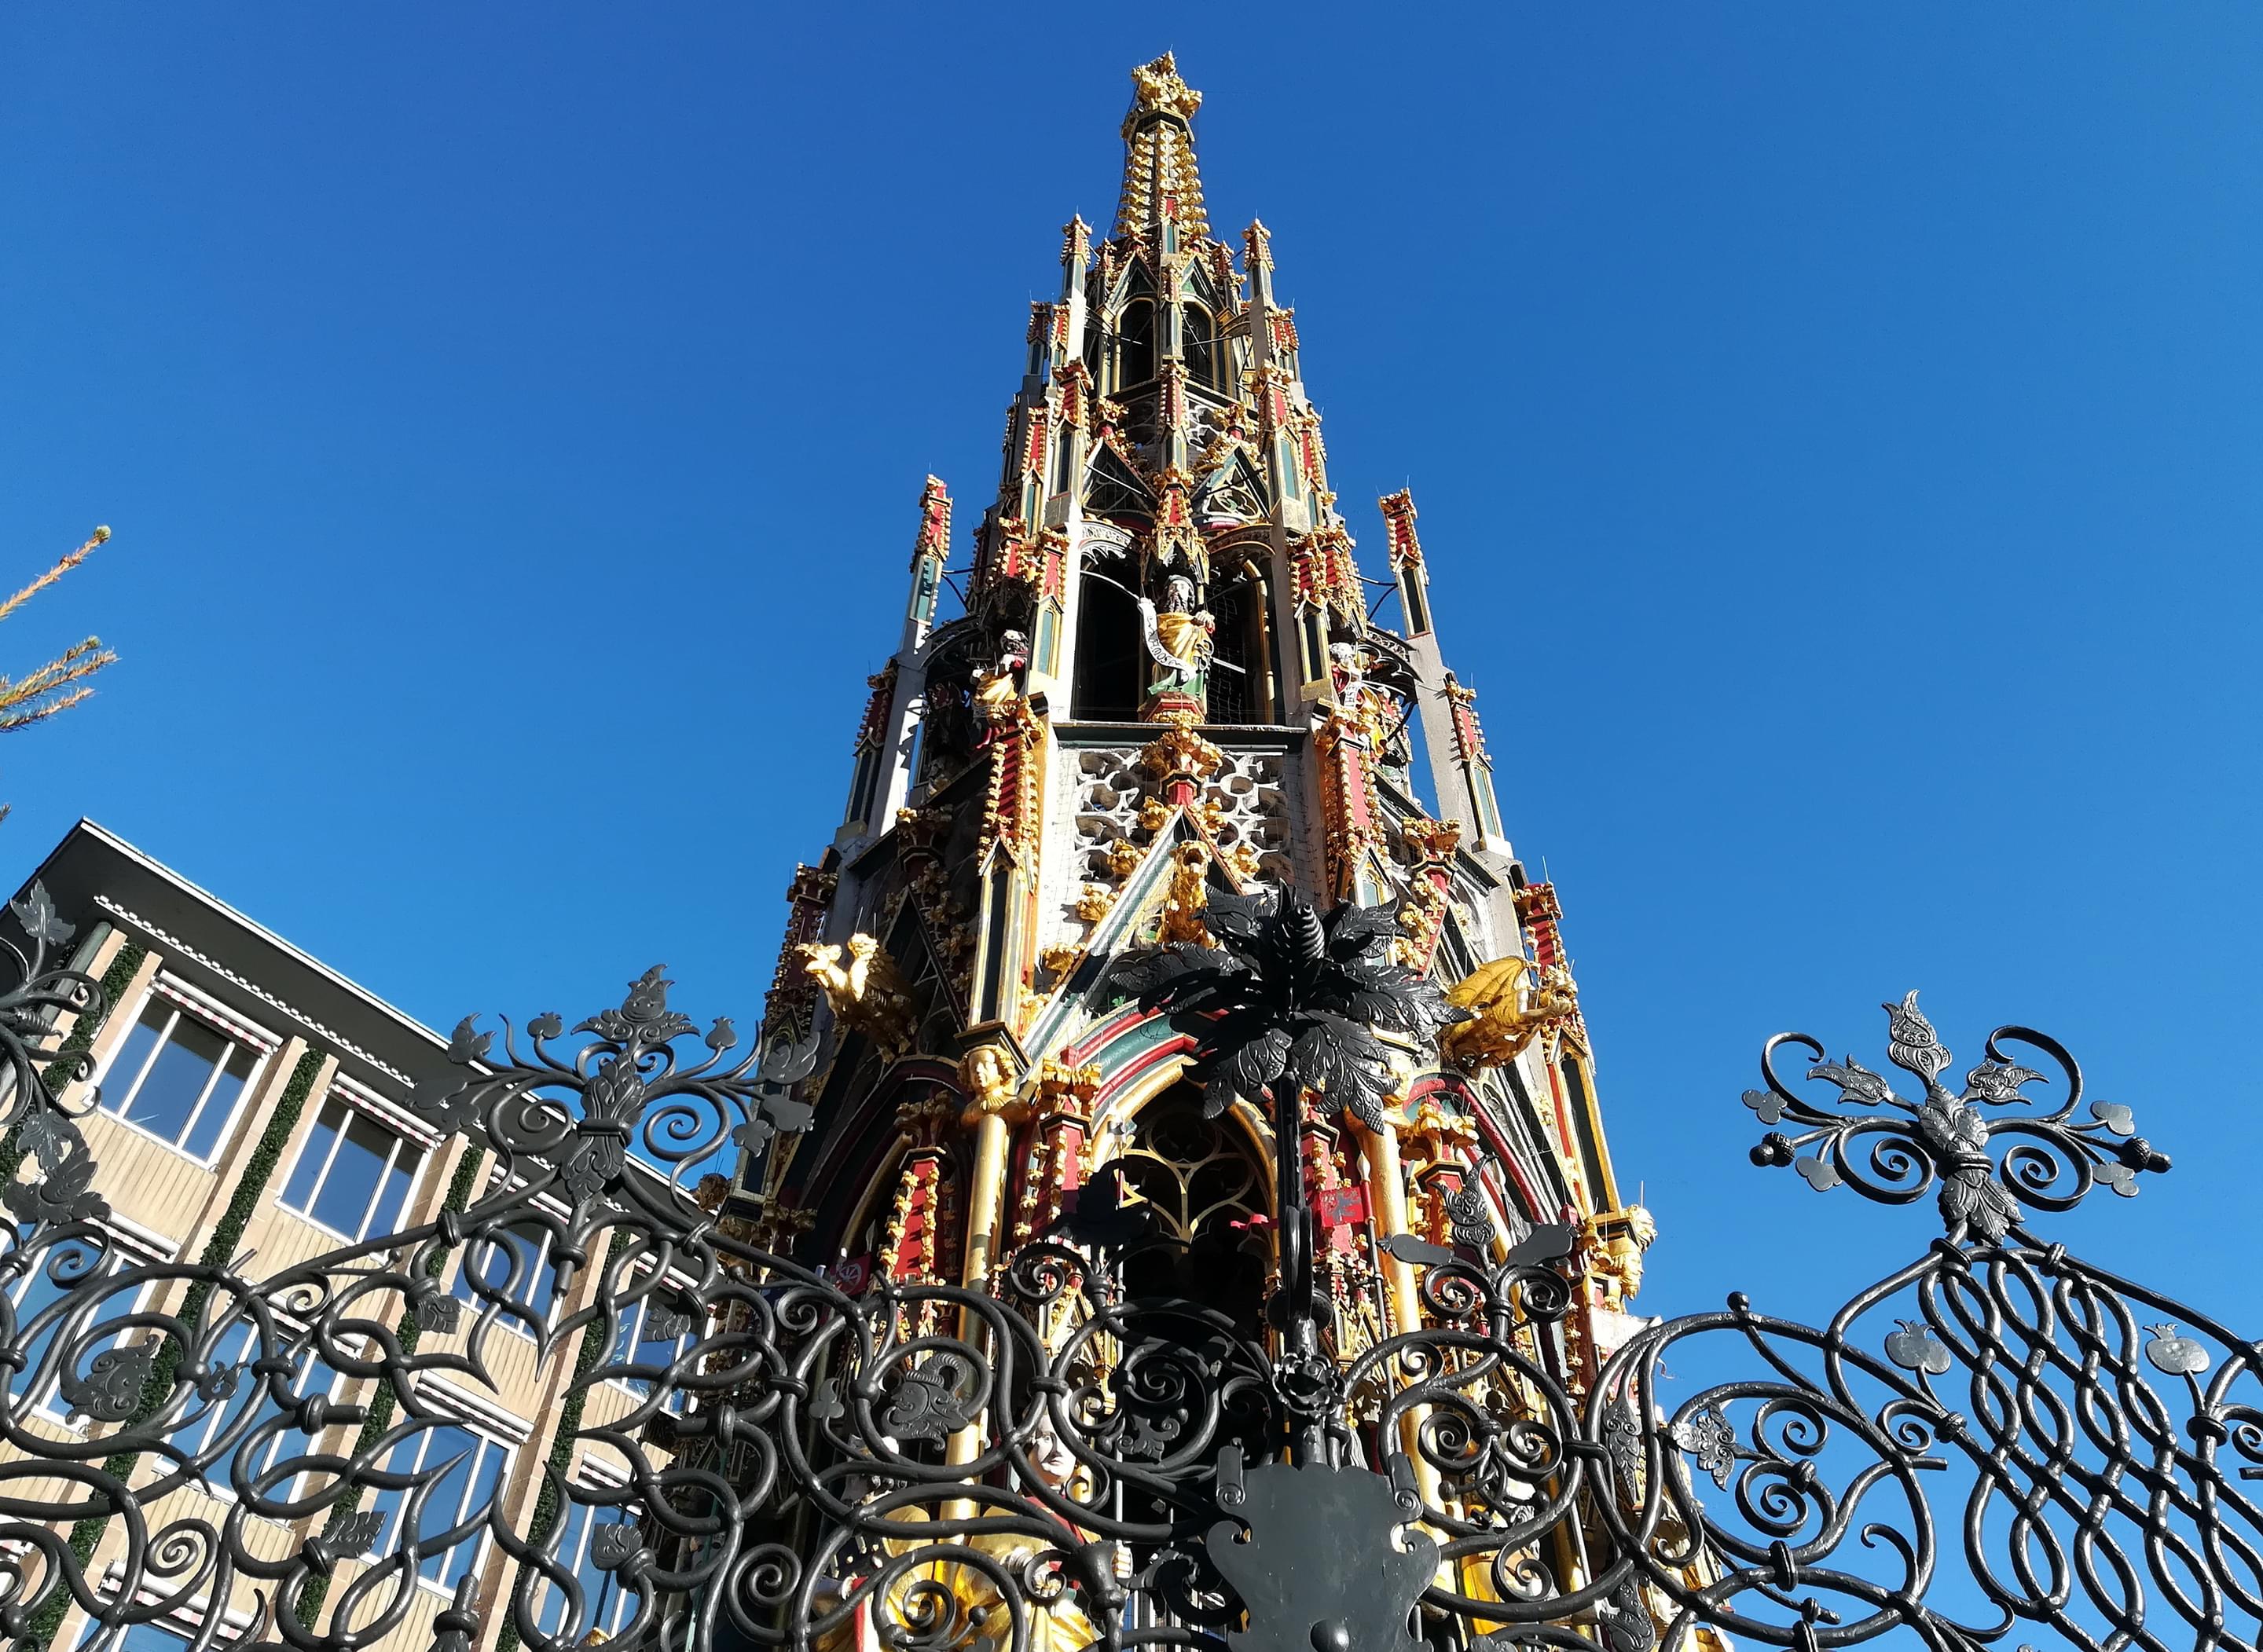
50, 690
54, 574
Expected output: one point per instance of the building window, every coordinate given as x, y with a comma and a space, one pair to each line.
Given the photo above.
461, 1471
588, 1534
236, 1423
657, 1330
143, 1637
1135, 344
353, 1175
1111, 653
179, 1078
1204, 350
515, 1263
1237, 679
82, 1305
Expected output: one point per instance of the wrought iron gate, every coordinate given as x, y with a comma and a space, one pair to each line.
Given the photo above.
1996, 1439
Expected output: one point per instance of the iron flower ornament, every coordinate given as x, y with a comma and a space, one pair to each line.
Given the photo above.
1291, 997
1891, 1150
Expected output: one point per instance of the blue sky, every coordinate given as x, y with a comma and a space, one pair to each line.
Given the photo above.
1835, 430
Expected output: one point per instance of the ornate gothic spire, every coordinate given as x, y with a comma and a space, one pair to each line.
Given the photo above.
1160, 175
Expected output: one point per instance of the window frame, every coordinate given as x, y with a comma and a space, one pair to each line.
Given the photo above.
1200, 352
1126, 341
132, 1251
492, 1437
237, 1033
590, 1475
353, 1106
463, 1293
185, 1621
221, 1486
641, 1388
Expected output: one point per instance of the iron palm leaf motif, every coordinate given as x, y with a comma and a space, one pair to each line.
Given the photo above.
1290, 999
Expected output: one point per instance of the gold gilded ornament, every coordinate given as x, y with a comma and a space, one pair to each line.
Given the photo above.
867, 994
1188, 901
1503, 1019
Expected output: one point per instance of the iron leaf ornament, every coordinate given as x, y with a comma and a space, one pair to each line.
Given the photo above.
1291, 997
1891, 1150
61, 1192
571, 1120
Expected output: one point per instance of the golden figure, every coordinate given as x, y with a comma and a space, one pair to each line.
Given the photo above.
1616, 1242
989, 1081
1188, 897
1186, 638
1504, 1019
867, 994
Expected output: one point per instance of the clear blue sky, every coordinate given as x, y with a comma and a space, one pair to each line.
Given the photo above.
1835, 428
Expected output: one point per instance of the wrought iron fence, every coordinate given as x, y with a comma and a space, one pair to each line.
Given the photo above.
1997, 1437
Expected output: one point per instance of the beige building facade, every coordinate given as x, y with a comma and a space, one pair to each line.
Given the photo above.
247, 1106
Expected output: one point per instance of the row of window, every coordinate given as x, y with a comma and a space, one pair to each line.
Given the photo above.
606, 1605
470, 1463
652, 1332
180, 1079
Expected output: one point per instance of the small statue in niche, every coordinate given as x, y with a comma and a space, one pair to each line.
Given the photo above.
998, 687
1179, 639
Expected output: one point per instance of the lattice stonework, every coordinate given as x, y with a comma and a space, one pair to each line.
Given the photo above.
1249, 794
1244, 806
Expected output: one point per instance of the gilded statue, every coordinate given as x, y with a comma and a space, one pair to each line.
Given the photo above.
990, 1083
1186, 901
1504, 1018
1616, 1242
867, 994
996, 689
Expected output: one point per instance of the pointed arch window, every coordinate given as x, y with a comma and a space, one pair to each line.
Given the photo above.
1205, 1187
1135, 344
1241, 676
1204, 350
1111, 650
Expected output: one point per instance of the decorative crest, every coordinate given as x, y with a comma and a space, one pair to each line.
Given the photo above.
1891, 1150
1156, 87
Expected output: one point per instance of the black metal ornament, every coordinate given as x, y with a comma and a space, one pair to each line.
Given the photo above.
1998, 1422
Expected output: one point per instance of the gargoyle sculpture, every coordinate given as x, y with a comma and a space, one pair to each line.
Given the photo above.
867, 995
1504, 1019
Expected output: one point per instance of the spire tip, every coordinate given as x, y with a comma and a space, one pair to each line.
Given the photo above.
1156, 87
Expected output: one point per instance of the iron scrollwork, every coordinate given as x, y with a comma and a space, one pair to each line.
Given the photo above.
1997, 1434
1892, 1149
